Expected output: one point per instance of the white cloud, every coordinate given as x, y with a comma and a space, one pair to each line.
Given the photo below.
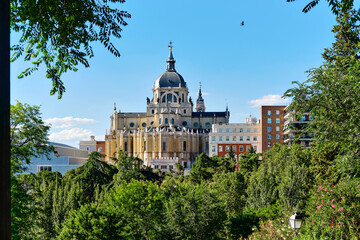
71, 134
67, 122
205, 94
269, 100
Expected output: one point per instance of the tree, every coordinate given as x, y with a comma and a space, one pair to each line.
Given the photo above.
192, 211
283, 178
59, 34
334, 4
332, 94
129, 211
28, 135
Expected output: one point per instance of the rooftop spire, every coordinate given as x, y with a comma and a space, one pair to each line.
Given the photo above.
200, 104
171, 61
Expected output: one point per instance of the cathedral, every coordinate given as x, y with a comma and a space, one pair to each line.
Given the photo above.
169, 131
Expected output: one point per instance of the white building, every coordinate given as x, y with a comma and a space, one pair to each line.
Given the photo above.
88, 145
65, 158
239, 136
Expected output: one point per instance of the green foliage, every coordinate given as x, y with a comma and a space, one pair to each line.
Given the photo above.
205, 167
283, 178
332, 94
130, 211
248, 163
334, 211
192, 211
336, 6
59, 34
28, 135
130, 168
92, 174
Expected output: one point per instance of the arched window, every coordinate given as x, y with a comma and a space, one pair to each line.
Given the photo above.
169, 97
163, 99
175, 99
184, 145
172, 121
159, 120
182, 98
166, 121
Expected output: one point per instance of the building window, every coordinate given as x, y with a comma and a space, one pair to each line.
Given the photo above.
269, 136
255, 129
206, 147
163, 99
255, 138
234, 148
241, 138
234, 138
184, 145
248, 148
234, 130
143, 124
220, 148
248, 130
100, 149
152, 111
144, 145
213, 149
159, 120
227, 138
156, 166
172, 121
185, 164
163, 166
227, 130
227, 148
269, 129
241, 148
184, 109
220, 138
278, 136
166, 121
277, 112
44, 168
125, 146
255, 148
277, 128
184, 123
164, 146
196, 124
171, 166
269, 112
87, 148
220, 130
241, 130
132, 124
213, 139
169, 97
269, 145
248, 138
183, 99
278, 120
269, 120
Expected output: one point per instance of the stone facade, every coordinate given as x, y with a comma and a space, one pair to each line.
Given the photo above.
168, 129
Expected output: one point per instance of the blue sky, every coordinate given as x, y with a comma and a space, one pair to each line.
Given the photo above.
243, 67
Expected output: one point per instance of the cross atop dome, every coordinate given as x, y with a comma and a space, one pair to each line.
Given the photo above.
171, 60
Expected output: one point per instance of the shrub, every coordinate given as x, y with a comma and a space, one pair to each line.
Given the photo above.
334, 211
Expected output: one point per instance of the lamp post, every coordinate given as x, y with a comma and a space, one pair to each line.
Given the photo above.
295, 222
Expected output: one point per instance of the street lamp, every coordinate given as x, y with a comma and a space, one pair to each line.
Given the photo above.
295, 221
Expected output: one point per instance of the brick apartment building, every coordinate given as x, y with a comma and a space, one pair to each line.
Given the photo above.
272, 124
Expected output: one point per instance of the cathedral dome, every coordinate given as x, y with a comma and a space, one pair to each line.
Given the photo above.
170, 78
